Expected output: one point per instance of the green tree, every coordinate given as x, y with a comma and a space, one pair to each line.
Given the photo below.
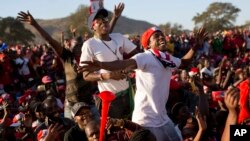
218, 16
168, 28
247, 25
176, 29
13, 31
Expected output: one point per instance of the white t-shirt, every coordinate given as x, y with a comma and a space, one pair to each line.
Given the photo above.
206, 71
94, 48
152, 83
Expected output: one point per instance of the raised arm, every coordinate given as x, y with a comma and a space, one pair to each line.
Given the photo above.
202, 124
200, 36
28, 18
231, 101
117, 13
5, 105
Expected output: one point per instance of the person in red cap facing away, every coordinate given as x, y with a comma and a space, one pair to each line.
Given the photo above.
153, 71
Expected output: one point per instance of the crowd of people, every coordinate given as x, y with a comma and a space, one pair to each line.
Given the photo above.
167, 87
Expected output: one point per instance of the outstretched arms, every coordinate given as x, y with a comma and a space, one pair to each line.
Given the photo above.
28, 18
118, 65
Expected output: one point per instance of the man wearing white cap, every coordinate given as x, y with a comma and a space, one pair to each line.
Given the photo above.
81, 112
77, 90
108, 47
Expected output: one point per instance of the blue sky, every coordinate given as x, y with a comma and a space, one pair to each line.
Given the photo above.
153, 11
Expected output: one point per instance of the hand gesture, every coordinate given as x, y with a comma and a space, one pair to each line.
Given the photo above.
5, 105
54, 131
113, 122
117, 75
72, 29
231, 99
26, 17
118, 10
199, 36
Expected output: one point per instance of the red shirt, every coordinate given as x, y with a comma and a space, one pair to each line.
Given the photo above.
6, 71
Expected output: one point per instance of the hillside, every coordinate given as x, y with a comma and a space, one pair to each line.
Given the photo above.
55, 26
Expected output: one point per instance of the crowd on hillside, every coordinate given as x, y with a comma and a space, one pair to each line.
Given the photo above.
206, 96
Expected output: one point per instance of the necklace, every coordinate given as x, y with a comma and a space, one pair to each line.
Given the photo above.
114, 52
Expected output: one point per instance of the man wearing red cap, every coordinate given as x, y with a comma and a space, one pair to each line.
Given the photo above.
153, 72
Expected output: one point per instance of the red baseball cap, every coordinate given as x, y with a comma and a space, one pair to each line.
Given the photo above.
146, 36
46, 79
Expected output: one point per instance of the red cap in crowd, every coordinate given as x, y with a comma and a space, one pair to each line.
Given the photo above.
193, 71
18, 117
46, 79
146, 36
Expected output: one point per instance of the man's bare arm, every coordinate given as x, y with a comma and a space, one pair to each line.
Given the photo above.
117, 13
28, 18
118, 65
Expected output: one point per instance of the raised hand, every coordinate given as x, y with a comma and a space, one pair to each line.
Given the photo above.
26, 17
5, 105
232, 99
118, 10
54, 131
113, 122
199, 36
72, 30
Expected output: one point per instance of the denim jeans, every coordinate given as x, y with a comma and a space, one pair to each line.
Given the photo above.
166, 132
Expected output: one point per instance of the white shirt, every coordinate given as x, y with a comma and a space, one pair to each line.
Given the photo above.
206, 71
152, 83
94, 48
